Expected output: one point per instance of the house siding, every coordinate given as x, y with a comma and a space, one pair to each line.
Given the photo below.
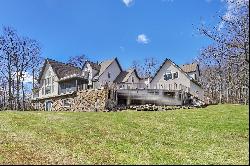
194, 75
136, 79
48, 73
196, 91
114, 71
92, 72
158, 81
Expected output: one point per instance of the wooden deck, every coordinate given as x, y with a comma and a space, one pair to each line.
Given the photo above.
151, 96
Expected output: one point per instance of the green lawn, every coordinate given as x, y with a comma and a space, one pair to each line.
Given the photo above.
213, 135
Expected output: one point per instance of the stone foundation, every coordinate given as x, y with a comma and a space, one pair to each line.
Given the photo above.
82, 101
91, 100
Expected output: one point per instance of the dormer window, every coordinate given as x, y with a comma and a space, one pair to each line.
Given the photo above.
109, 75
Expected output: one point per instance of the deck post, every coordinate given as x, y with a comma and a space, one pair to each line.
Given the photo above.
128, 101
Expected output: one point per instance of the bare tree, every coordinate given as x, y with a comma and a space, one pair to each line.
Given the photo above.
77, 61
138, 67
147, 68
18, 55
226, 62
8, 49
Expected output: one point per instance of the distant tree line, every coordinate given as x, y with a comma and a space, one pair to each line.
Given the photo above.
225, 63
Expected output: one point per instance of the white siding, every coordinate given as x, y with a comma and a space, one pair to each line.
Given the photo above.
196, 91
48, 73
114, 71
146, 82
133, 75
159, 83
92, 72
194, 75
183, 82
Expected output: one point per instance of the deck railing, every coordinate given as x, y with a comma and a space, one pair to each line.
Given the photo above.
132, 86
127, 86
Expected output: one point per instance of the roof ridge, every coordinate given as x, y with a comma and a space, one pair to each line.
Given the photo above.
68, 64
107, 60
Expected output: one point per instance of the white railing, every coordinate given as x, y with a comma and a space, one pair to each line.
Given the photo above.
132, 86
82, 87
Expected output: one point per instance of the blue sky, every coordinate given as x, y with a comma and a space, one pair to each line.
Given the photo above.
103, 29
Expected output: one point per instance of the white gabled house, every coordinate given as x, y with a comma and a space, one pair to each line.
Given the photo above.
103, 73
172, 77
128, 80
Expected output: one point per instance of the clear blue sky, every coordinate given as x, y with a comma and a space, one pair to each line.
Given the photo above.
103, 29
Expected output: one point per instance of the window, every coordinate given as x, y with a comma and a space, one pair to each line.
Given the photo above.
43, 91
109, 94
109, 75
176, 75
167, 76
133, 79
195, 77
175, 86
180, 87
66, 103
48, 90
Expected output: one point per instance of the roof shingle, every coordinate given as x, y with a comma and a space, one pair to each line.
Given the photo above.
189, 67
63, 70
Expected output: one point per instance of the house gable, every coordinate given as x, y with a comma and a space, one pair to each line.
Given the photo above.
48, 81
110, 73
193, 70
129, 76
158, 80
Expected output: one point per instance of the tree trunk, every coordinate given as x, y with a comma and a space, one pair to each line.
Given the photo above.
9, 84
18, 90
24, 107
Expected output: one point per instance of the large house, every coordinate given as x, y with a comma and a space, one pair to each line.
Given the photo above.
61, 84
172, 77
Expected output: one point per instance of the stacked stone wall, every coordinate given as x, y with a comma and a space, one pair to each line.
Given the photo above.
82, 101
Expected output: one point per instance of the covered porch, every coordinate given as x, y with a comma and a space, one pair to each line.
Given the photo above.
71, 85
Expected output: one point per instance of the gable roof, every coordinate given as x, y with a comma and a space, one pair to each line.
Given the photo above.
93, 65
105, 64
60, 69
168, 60
188, 68
124, 76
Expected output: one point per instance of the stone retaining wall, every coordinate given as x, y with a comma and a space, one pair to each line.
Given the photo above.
89, 100
82, 101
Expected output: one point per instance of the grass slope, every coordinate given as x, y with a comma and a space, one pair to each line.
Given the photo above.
214, 135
